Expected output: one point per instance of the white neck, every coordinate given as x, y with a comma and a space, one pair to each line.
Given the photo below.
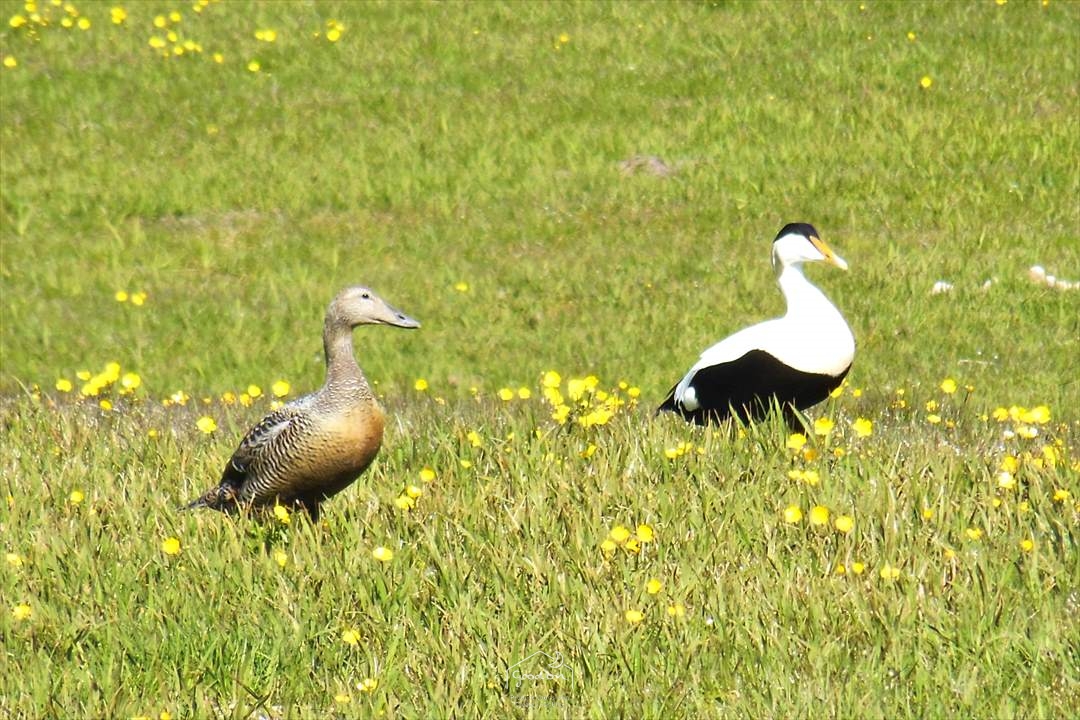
803, 298
814, 326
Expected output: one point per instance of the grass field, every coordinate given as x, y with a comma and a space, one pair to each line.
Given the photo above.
183, 194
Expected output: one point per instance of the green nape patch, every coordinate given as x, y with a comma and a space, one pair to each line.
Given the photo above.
587, 188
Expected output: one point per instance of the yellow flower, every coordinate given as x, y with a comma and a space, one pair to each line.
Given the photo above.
823, 426
1027, 545
863, 427
654, 586
333, 34
76, 497
105, 405
64, 385
973, 533
266, 35
551, 379
524, 393
633, 546
130, 381
1061, 495
619, 534
413, 491
474, 438
280, 388
1050, 455
253, 66
948, 386
1039, 415
564, 38
17, 21
506, 394
796, 441
84, 23
118, 15
461, 286
857, 568
206, 424
218, 58
22, 611
844, 524
281, 558
404, 503
427, 475
911, 36
367, 685
634, 616
351, 637
15, 560
819, 515
282, 514
792, 514
170, 546
575, 389
10, 61
889, 572
810, 477
926, 82
933, 419
645, 533
420, 385
1006, 480
465, 463
382, 554
608, 547
676, 610
342, 699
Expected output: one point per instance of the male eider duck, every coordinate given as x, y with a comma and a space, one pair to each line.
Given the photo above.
794, 361
315, 446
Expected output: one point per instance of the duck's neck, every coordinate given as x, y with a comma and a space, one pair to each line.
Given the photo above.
343, 375
804, 300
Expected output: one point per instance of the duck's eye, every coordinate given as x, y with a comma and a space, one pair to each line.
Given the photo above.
365, 296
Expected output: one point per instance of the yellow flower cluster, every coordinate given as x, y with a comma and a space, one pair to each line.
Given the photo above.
582, 401
682, 449
630, 542
94, 384
819, 516
138, 299
406, 501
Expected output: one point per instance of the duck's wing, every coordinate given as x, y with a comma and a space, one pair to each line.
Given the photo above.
277, 430
271, 437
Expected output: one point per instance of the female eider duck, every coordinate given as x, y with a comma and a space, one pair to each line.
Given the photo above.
315, 446
794, 361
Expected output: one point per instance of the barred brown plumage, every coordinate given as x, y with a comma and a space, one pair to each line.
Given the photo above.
315, 446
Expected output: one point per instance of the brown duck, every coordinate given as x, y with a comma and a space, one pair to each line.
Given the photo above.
315, 446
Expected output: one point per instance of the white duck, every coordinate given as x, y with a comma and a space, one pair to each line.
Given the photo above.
793, 361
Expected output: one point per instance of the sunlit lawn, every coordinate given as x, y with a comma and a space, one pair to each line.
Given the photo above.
574, 200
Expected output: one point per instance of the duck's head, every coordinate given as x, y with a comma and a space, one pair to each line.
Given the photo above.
359, 305
797, 243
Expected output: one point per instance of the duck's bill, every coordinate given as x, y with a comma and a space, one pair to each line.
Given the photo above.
830, 256
401, 320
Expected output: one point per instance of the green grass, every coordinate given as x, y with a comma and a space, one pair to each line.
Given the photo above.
443, 143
